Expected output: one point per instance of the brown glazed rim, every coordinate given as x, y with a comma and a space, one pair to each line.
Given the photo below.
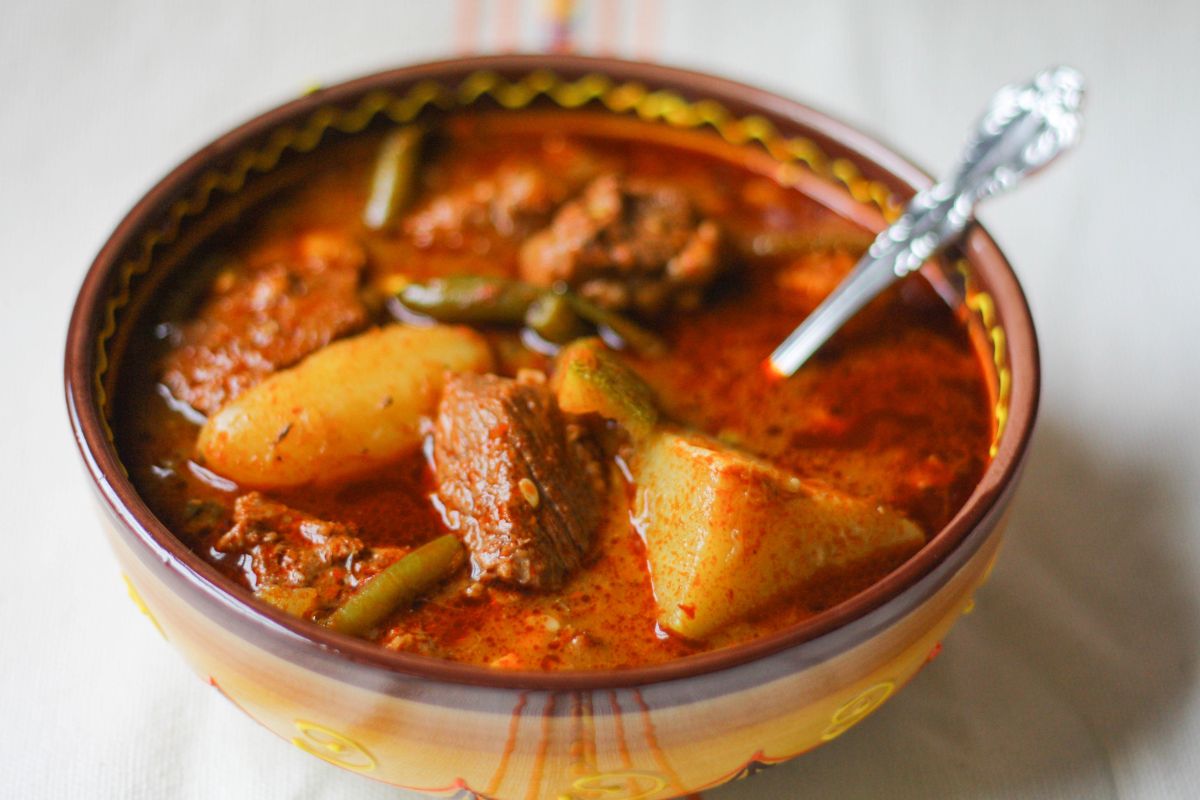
873, 159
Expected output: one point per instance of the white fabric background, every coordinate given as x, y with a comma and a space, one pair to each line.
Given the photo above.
1077, 674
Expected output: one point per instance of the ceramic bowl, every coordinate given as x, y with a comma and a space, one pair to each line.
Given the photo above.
447, 728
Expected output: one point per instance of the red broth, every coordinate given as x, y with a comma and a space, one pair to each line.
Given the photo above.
896, 409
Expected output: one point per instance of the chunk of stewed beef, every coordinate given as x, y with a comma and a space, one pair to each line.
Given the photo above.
509, 201
286, 547
627, 244
520, 482
278, 547
267, 316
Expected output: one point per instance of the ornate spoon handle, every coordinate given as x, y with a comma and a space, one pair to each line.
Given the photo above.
1025, 128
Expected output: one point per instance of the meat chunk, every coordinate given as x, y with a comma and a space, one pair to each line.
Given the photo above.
279, 548
521, 483
627, 244
268, 317
517, 198
286, 547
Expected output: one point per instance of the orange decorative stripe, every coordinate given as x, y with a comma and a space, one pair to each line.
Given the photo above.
652, 742
539, 761
619, 730
510, 744
583, 734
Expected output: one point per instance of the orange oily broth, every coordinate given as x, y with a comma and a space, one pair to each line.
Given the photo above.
895, 409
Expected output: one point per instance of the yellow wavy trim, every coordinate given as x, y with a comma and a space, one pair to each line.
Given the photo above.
982, 304
629, 98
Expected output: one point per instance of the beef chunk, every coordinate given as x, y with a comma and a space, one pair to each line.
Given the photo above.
286, 547
278, 547
627, 244
522, 484
267, 317
517, 198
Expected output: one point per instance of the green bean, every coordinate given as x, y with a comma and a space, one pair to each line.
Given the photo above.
398, 585
552, 317
557, 316
590, 378
471, 299
394, 178
634, 335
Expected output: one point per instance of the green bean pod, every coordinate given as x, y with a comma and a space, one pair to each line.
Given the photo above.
394, 179
397, 586
634, 335
471, 299
553, 318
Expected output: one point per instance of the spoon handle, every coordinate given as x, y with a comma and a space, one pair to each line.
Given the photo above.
1025, 128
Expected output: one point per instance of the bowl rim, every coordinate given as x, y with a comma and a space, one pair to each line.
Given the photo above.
837, 138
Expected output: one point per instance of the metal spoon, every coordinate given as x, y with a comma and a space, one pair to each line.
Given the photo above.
1025, 128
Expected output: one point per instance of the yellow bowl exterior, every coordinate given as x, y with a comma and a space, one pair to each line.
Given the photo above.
616, 743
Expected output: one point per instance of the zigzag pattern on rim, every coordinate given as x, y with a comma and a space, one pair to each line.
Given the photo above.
982, 304
628, 98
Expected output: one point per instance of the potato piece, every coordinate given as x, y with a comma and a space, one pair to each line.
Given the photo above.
349, 407
726, 533
590, 378
295, 600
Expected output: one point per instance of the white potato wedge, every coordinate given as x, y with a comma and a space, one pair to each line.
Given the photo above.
349, 407
295, 600
726, 534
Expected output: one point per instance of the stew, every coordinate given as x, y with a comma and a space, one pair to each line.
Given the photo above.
490, 390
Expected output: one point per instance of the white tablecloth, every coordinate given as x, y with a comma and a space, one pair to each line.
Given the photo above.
1077, 674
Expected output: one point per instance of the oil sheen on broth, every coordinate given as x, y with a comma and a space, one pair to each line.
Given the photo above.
888, 427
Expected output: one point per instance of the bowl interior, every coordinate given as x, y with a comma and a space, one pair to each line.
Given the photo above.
840, 167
